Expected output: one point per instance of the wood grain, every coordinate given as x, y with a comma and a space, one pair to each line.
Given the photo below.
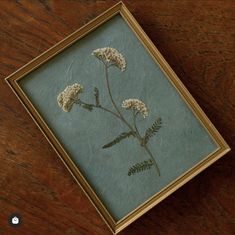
197, 38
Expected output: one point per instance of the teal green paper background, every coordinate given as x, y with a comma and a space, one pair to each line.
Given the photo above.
180, 144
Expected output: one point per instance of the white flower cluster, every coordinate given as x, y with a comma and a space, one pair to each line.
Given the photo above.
68, 96
137, 105
111, 56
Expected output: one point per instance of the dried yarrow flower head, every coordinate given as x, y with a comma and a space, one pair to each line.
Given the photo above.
68, 96
110, 56
136, 105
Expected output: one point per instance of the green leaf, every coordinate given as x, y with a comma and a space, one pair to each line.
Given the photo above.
150, 132
97, 97
140, 166
119, 138
89, 107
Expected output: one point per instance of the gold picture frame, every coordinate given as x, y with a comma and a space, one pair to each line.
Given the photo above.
119, 8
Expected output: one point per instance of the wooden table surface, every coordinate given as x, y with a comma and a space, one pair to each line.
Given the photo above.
197, 38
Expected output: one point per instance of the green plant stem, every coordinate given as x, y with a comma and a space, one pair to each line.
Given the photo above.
135, 126
152, 157
112, 100
107, 110
120, 116
101, 107
144, 145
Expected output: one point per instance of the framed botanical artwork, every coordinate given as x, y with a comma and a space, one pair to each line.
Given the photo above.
118, 116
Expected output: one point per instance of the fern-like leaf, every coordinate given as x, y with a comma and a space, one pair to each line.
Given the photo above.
119, 138
97, 97
140, 166
150, 132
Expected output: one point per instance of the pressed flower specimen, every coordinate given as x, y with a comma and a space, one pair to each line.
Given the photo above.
71, 95
67, 97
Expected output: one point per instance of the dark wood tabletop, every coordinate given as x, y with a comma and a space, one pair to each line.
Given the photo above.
197, 38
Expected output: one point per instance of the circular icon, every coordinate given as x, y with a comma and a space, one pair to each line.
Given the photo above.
15, 220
